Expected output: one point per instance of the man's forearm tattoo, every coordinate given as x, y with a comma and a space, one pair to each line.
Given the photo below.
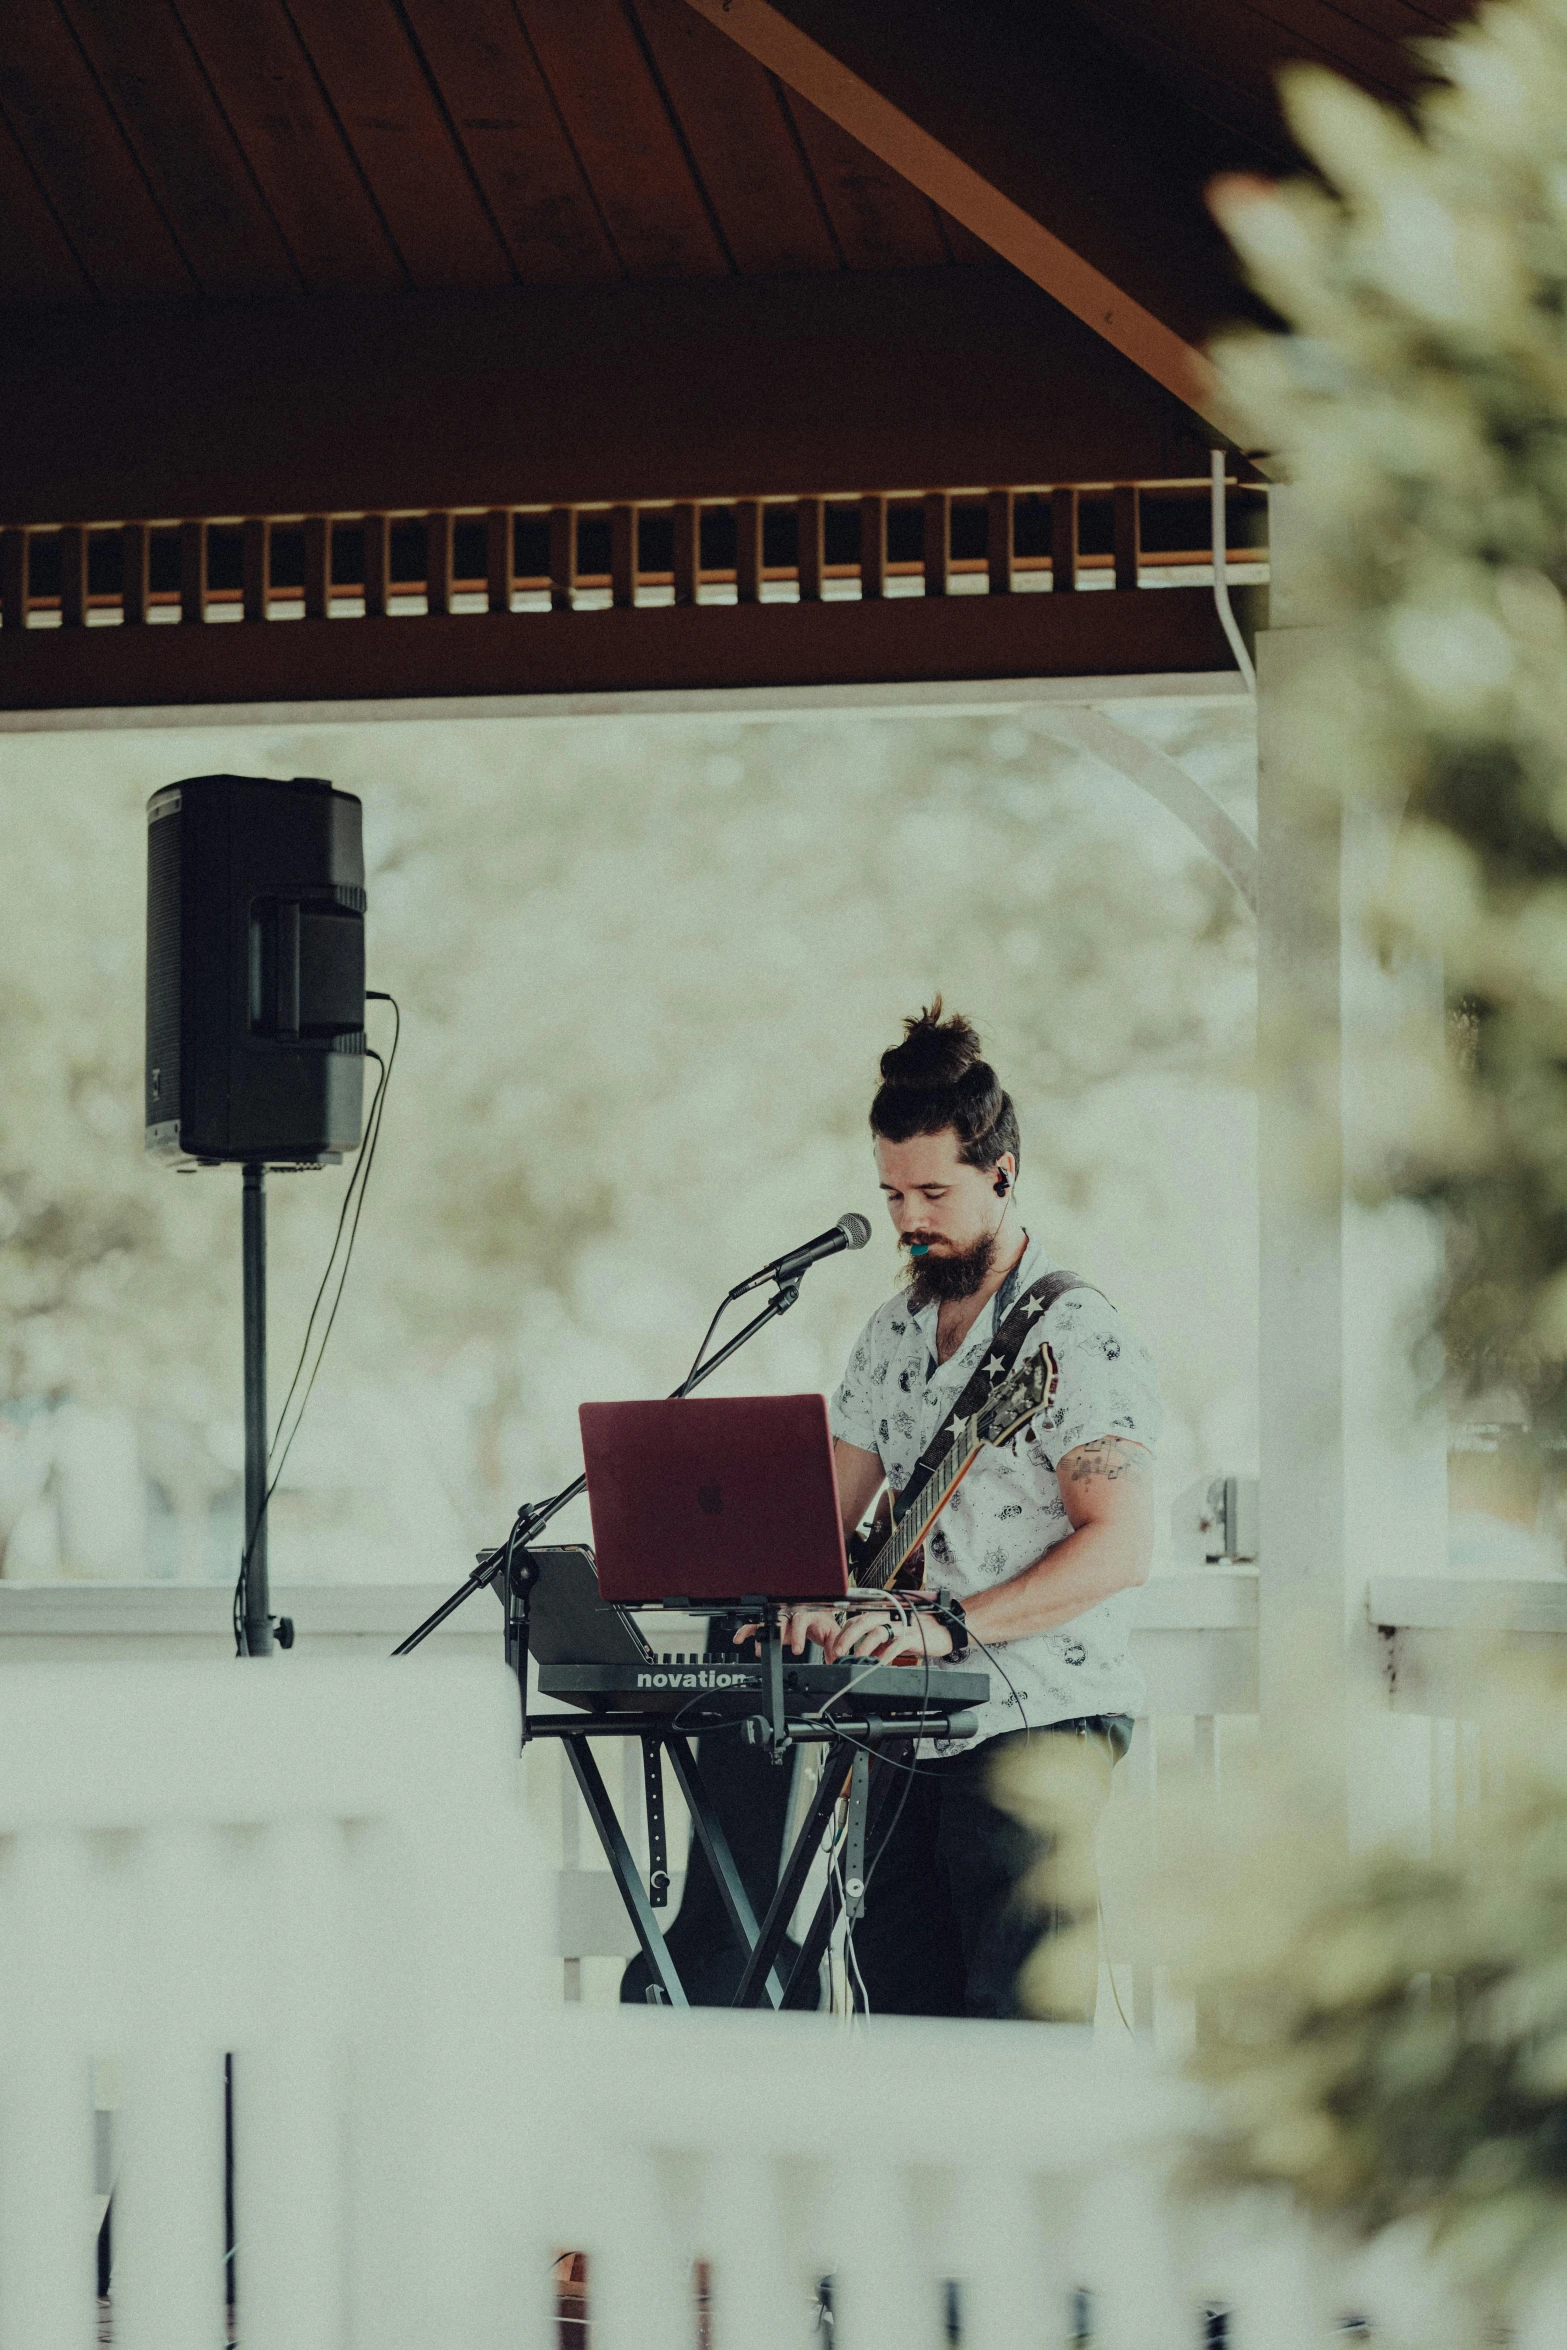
1108, 1457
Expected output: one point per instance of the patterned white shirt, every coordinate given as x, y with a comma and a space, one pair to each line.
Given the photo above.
1008, 1511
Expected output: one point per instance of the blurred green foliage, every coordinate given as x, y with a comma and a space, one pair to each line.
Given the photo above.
1387, 2033
1419, 403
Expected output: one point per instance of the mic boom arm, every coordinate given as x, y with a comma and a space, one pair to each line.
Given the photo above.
850, 1231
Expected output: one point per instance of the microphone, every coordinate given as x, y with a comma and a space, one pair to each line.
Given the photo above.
850, 1231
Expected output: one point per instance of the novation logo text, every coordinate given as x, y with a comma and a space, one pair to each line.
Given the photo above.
705, 1677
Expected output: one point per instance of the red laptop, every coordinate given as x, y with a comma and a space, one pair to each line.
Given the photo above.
717, 1498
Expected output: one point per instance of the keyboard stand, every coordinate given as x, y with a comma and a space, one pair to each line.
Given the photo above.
852, 1744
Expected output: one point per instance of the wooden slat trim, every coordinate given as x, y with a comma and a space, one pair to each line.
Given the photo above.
1000, 507
810, 547
135, 572
873, 546
938, 541
748, 551
377, 565
688, 552
438, 565
1128, 533
563, 557
73, 576
255, 566
623, 557
318, 567
193, 571
1063, 541
498, 559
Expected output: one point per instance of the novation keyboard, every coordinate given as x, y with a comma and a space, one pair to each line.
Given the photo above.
708, 1689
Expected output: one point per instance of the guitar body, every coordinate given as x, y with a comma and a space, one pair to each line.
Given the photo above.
889, 1555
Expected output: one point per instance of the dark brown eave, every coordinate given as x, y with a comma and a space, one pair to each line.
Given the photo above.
819, 384
1103, 634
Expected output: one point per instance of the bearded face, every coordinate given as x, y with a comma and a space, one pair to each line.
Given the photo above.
953, 1273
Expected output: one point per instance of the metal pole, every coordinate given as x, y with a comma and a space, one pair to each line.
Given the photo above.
258, 1618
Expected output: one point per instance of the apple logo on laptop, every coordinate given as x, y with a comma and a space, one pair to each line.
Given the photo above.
710, 1498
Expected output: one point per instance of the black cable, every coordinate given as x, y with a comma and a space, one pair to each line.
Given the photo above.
354, 1192
353, 1197
913, 1767
342, 1218
1028, 1727
696, 1361
353, 1230
910, 1769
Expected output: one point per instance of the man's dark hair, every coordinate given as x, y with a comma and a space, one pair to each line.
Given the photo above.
938, 1078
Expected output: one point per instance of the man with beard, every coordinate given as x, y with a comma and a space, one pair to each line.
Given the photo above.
1035, 1555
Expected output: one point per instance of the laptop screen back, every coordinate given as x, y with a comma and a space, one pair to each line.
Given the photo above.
714, 1499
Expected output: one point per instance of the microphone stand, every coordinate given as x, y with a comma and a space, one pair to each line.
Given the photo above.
534, 1516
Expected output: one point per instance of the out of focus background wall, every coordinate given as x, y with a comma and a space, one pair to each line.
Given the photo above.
645, 967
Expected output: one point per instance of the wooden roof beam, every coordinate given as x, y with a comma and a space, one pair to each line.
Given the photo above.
826, 384
969, 111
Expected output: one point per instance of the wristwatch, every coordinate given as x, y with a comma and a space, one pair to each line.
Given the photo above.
949, 1611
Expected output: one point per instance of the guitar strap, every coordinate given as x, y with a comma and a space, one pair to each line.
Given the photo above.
1002, 1352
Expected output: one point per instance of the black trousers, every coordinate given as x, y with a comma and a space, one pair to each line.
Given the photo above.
948, 1924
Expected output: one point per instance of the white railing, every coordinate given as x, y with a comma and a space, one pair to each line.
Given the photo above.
900, 2160
1196, 1635
328, 1873
1196, 1640
322, 1874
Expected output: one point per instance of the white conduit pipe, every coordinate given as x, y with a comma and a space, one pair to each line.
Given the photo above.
1221, 585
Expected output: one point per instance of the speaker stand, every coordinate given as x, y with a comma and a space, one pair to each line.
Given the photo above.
253, 1249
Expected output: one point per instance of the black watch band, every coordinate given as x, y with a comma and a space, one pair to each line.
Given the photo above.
949, 1611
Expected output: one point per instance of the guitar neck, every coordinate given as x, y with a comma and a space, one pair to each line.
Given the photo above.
911, 1530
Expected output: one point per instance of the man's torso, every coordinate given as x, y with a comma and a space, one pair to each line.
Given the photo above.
1008, 1510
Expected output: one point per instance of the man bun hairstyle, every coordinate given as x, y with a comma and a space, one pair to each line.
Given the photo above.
938, 1077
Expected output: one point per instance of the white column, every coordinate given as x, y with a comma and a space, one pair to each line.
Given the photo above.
1353, 1462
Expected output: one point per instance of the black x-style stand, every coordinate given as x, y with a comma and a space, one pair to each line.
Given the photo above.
851, 1744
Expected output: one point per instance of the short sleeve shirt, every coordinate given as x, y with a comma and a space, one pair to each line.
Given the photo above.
1008, 1511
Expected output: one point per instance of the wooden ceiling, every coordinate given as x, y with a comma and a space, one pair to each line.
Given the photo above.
170, 149
175, 150
263, 259
1221, 57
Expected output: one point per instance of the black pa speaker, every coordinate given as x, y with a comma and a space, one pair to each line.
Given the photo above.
255, 971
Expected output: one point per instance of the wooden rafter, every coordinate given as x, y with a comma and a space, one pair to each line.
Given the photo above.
815, 62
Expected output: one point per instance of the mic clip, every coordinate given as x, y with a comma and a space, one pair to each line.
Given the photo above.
782, 1280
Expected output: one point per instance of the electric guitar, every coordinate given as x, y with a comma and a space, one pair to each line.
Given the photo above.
1011, 1403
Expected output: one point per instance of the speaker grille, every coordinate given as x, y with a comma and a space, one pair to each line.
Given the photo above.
163, 968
